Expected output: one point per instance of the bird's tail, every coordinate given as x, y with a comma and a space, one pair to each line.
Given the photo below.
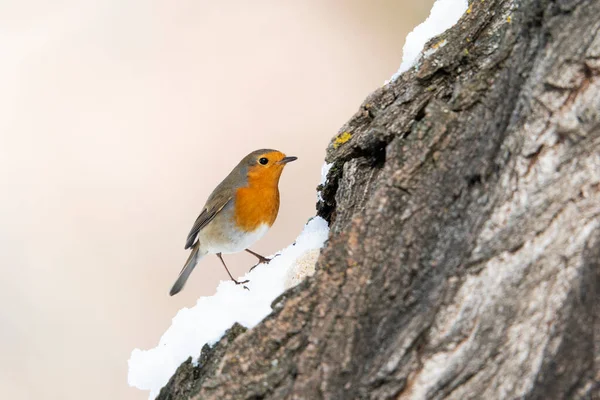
187, 269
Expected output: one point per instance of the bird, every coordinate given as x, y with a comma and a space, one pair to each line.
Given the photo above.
237, 213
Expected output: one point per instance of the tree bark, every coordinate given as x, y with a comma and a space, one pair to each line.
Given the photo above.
464, 254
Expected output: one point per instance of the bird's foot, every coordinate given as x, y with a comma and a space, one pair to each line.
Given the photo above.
242, 283
263, 260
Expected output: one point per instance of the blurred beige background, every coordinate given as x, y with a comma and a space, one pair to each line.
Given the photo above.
118, 118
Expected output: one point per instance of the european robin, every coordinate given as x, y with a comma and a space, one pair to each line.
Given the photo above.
237, 213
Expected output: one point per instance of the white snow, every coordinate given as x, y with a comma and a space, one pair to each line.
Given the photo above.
444, 14
206, 322
324, 171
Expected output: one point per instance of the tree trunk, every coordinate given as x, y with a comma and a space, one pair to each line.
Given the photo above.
464, 254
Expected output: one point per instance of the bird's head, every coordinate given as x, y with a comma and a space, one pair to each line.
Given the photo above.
265, 166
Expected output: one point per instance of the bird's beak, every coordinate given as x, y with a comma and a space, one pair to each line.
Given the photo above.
286, 160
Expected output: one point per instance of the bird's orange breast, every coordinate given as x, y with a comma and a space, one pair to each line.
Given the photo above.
258, 203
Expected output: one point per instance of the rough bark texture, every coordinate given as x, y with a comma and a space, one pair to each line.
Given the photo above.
464, 255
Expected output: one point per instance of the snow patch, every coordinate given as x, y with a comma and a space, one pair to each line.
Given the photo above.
444, 14
208, 320
324, 171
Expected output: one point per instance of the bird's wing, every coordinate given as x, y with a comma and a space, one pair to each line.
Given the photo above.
208, 214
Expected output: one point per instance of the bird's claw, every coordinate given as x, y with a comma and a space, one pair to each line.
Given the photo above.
264, 260
242, 283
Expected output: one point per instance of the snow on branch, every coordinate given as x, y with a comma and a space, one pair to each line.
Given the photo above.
444, 14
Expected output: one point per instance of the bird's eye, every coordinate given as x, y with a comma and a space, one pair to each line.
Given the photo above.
263, 161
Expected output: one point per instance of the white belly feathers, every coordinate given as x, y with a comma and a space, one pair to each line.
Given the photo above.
232, 240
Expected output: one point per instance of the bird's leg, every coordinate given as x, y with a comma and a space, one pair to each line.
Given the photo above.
229, 273
261, 259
